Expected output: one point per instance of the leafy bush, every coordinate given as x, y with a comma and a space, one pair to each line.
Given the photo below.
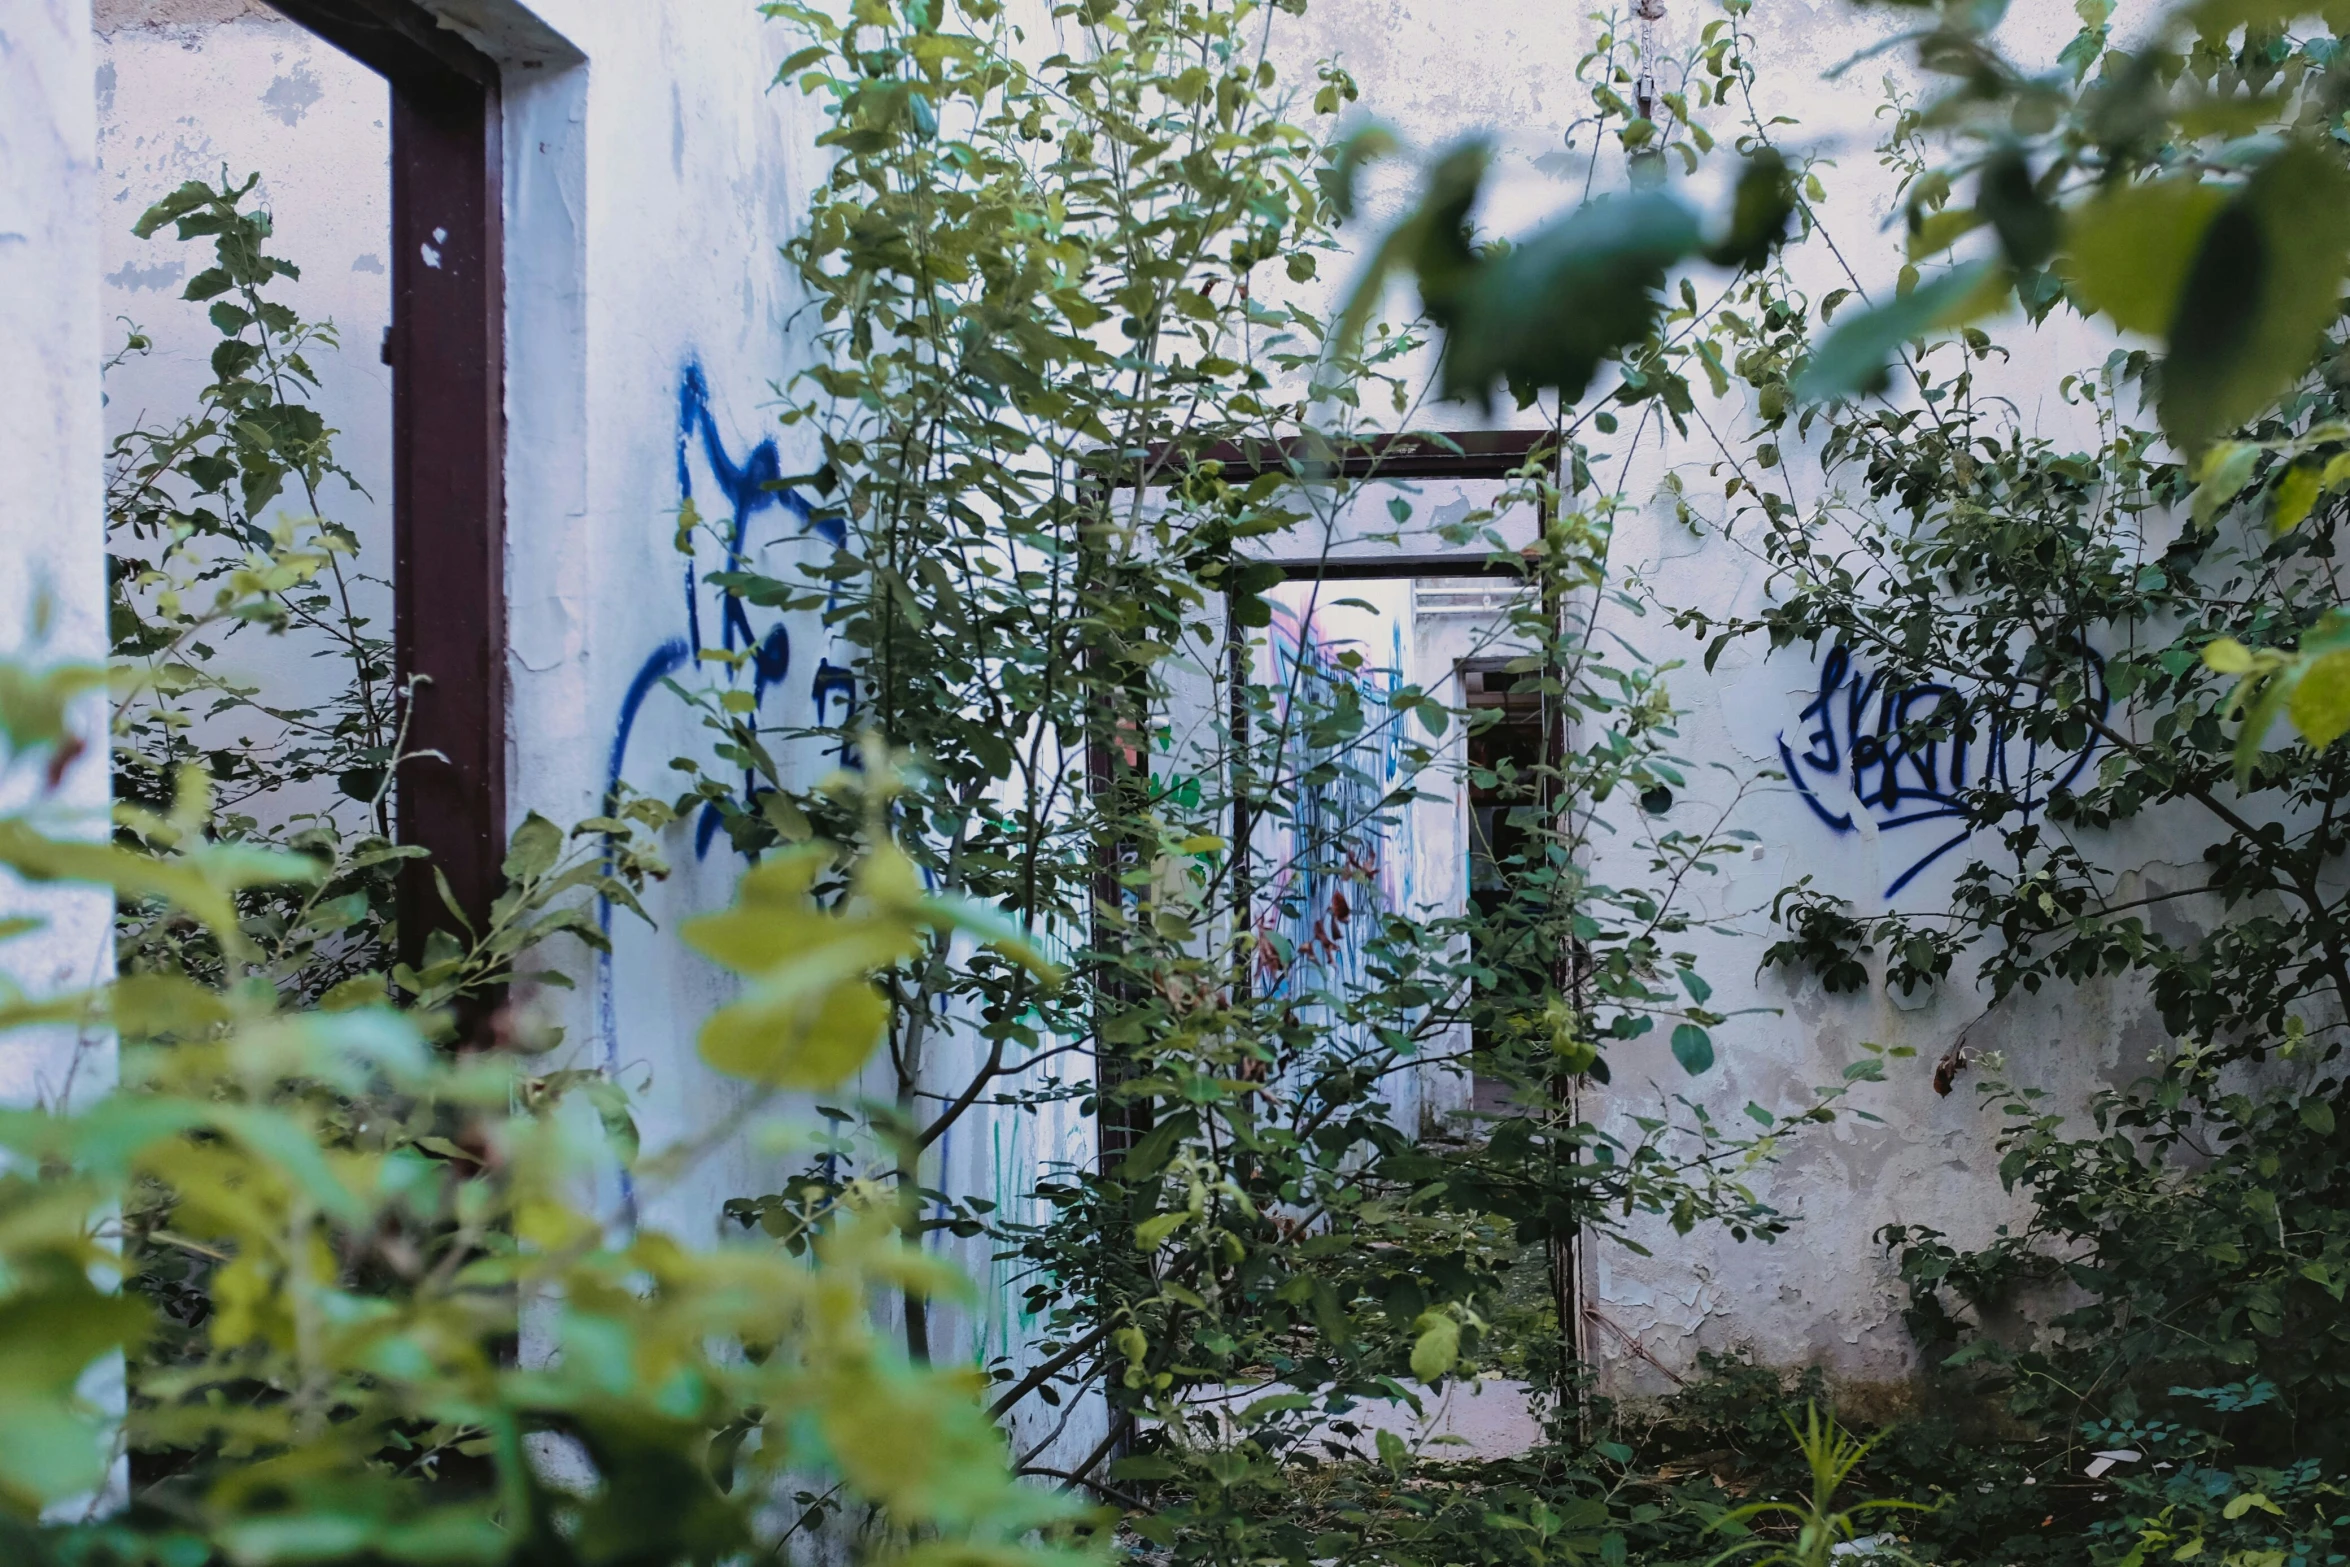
380, 1221
370, 1308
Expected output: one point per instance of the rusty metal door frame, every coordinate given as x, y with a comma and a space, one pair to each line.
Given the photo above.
1463, 455
446, 348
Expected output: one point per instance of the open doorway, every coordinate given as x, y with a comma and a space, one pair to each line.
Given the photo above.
330, 317
1376, 693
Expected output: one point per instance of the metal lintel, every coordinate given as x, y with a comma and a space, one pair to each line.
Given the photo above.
1451, 454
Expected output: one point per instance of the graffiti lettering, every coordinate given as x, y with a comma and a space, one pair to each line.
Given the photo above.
1341, 857
1927, 756
738, 494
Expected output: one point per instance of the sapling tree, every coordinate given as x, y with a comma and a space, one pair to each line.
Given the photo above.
1057, 289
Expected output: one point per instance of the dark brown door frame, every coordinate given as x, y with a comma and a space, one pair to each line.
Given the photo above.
446, 347
1467, 455
1460, 455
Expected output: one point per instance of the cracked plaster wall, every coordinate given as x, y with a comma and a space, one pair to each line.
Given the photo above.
52, 549
1825, 1293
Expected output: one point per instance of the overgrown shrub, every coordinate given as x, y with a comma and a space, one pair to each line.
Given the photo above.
1058, 287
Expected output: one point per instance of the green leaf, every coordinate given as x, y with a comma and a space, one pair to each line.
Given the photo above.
612, 1112
1759, 213
36, 705
2027, 225
181, 202
1855, 357
1347, 161
233, 358
2127, 252
1552, 309
2227, 656
538, 844
1152, 1233
2266, 283
2297, 490
53, 1444
1437, 1346
2220, 477
1942, 230
1430, 243
146, 1005
799, 61
785, 1037
1693, 1048
1393, 1453
2320, 704
2318, 1116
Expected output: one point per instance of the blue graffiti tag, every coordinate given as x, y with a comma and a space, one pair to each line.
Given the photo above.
1913, 755
1340, 857
745, 490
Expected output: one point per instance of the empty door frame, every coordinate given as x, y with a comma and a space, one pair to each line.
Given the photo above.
446, 349
1491, 455
1462, 455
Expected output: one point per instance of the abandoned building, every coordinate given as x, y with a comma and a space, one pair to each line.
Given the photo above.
546, 233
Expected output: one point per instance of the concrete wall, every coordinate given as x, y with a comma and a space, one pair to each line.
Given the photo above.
52, 546
652, 173
1826, 1293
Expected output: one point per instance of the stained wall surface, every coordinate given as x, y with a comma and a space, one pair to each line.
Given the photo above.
1826, 1293
652, 173
52, 545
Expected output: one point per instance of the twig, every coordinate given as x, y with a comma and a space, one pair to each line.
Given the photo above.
1123, 1498
1044, 1373
1638, 1349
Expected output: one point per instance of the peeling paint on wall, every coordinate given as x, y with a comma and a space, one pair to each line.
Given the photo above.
1863, 753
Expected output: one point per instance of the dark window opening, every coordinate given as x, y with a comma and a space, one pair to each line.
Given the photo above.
1504, 801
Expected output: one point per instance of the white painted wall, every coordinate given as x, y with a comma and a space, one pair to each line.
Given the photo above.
651, 181
52, 545
652, 173
1438, 71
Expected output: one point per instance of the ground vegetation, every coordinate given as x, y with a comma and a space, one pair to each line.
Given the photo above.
1108, 843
